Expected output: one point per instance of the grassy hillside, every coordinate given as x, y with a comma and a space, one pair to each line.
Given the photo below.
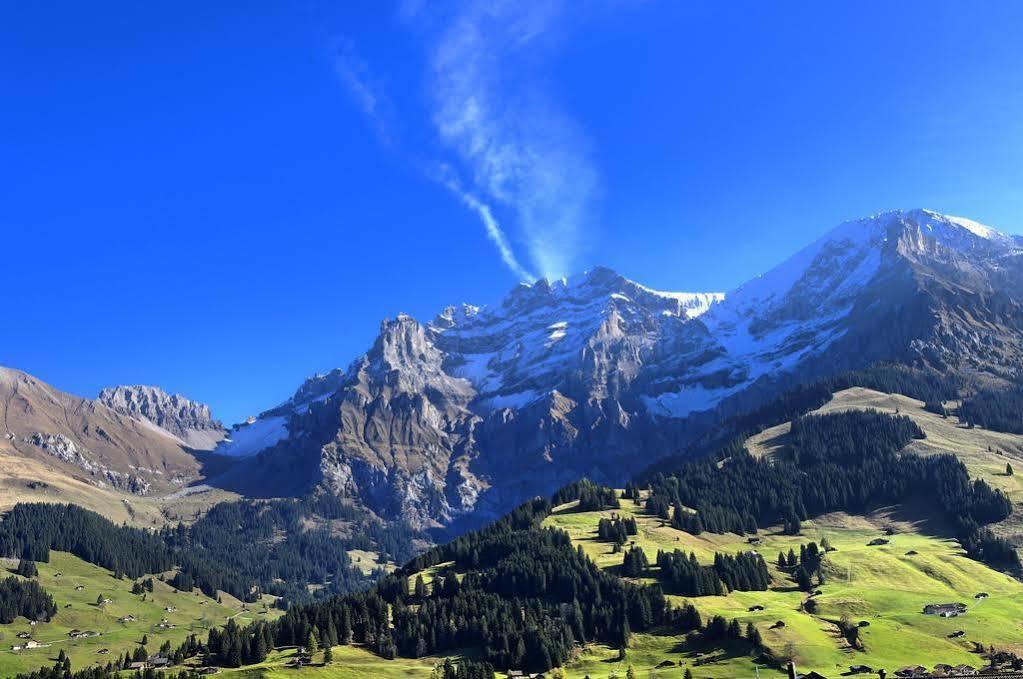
885, 586
984, 452
25, 479
350, 662
77, 609
882, 585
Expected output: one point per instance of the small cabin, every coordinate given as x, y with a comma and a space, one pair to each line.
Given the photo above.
945, 610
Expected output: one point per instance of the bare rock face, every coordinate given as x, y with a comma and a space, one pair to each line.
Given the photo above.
64, 449
188, 420
455, 421
400, 420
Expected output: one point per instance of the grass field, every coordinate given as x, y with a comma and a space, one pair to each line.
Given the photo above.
350, 662
882, 585
193, 612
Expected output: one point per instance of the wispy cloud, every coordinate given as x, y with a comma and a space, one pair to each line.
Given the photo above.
365, 90
486, 215
512, 148
520, 148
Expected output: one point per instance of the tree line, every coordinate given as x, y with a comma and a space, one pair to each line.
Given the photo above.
25, 598
848, 461
234, 547
996, 410
683, 574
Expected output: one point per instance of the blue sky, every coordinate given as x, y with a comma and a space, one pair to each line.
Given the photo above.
222, 198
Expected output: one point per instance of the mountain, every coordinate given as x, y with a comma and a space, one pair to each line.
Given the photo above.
51, 438
271, 426
915, 287
187, 420
454, 421
451, 422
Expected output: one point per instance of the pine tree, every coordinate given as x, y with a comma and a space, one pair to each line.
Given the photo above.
328, 655
753, 636
27, 569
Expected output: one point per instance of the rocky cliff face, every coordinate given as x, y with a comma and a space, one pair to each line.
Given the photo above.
454, 421
188, 420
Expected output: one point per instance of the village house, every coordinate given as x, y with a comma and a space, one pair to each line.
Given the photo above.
912, 671
126, 618
31, 643
945, 610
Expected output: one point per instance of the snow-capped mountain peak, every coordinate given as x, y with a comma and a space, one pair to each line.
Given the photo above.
596, 375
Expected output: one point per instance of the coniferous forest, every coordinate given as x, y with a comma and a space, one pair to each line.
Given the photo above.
995, 410
232, 548
839, 462
25, 598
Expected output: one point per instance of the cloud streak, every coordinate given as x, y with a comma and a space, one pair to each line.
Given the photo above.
364, 90
521, 150
493, 229
505, 147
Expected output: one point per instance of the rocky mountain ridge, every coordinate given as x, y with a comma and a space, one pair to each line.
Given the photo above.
188, 420
460, 418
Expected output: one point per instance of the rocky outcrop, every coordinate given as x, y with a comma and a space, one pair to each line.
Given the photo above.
188, 420
66, 450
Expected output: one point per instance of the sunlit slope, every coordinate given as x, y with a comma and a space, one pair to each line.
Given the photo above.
65, 574
887, 586
985, 453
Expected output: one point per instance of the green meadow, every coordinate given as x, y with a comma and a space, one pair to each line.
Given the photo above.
885, 586
75, 586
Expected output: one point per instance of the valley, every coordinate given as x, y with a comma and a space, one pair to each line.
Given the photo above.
428, 501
